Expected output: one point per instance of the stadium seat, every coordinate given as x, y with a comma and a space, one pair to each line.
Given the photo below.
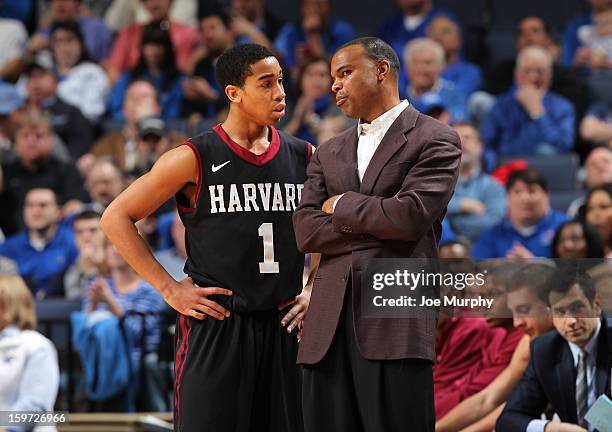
558, 170
560, 201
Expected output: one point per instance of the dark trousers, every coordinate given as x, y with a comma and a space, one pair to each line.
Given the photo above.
346, 392
236, 375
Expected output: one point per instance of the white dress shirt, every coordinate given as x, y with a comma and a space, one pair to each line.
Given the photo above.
369, 136
591, 348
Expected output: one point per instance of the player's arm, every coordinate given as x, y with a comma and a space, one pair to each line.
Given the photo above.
171, 173
491, 397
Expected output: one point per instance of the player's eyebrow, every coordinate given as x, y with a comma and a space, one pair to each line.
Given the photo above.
266, 76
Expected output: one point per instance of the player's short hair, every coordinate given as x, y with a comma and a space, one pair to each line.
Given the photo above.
234, 65
377, 49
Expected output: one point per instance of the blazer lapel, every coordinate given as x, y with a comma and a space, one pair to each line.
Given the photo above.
604, 361
566, 379
346, 161
393, 140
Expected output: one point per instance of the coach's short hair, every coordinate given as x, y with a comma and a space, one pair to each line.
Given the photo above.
377, 49
234, 65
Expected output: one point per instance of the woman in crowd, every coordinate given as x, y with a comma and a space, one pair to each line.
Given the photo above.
82, 82
577, 239
157, 65
28, 361
599, 209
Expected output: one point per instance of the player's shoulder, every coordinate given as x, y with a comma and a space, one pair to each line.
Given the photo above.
292, 141
204, 138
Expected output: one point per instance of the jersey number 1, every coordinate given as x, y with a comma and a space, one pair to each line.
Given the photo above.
268, 265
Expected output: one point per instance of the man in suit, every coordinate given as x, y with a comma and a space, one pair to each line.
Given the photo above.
569, 367
380, 189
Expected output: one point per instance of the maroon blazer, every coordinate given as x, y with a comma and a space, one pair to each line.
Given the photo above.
396, 212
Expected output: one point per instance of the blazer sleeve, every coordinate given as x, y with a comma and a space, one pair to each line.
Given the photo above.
313, 228
420, 201
526, 403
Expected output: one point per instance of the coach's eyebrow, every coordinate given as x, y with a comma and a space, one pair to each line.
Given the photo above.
344, 66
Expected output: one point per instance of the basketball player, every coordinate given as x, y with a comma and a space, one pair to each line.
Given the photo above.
236, 187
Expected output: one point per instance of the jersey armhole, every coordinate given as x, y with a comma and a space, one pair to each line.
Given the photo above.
188, 208
311, 150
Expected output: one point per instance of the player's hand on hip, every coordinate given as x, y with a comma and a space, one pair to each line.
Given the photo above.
189, 299
295, 317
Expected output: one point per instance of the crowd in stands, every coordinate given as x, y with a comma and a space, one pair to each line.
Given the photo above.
92, 92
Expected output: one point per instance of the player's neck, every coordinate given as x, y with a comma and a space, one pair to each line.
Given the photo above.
245, 133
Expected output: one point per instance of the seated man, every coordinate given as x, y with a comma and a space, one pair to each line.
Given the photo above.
496, 353
45, 249
527, 297
569, 368
530, 225
529, 119
479, 201
316, 34
424, 59
466, 76
596, 126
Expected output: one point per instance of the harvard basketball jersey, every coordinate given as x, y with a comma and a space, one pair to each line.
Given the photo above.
240, 235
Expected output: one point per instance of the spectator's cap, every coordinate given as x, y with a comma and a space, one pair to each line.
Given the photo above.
431, 104
151, 127
10, 99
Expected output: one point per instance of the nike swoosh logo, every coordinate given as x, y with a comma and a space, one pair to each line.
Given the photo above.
218, 167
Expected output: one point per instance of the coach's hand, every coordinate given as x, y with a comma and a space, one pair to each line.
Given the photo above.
295, 317
189, 299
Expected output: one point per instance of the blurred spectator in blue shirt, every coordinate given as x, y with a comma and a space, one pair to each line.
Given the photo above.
465, 75
479, 201
173, 259
203, 96
157, 65
253, 22
529, 119
530, 226
574, 54
46, 248
424, 59
596, 126
98, 38
315, 101
411, 22
318, 33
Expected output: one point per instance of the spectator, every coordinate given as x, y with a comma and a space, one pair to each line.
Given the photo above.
98, 38
28, 360
527, 294
45, 249
315, 101
529, 227
599, 209
598, 171
10, 100
35, 167
124, 293
574, 53
153, 141
329, 127
410, 23
254, 22
89, 240
567, 82
479, 201
577, 239
466, 76
424, 59
126, 50
173, 259
122, 13
530, 119
140, 101
317, 34
104, 182
68, 122
596, 126
563, 362
454, 250
13, 39
204, 96
156, 65
82, 83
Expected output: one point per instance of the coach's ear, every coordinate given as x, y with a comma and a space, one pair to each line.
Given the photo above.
384, 69
233, 93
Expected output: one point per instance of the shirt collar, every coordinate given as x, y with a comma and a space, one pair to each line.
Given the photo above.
9, 331
382, 122
590, 347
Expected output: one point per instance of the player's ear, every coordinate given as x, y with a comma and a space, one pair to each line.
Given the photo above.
384, 68
233, 93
